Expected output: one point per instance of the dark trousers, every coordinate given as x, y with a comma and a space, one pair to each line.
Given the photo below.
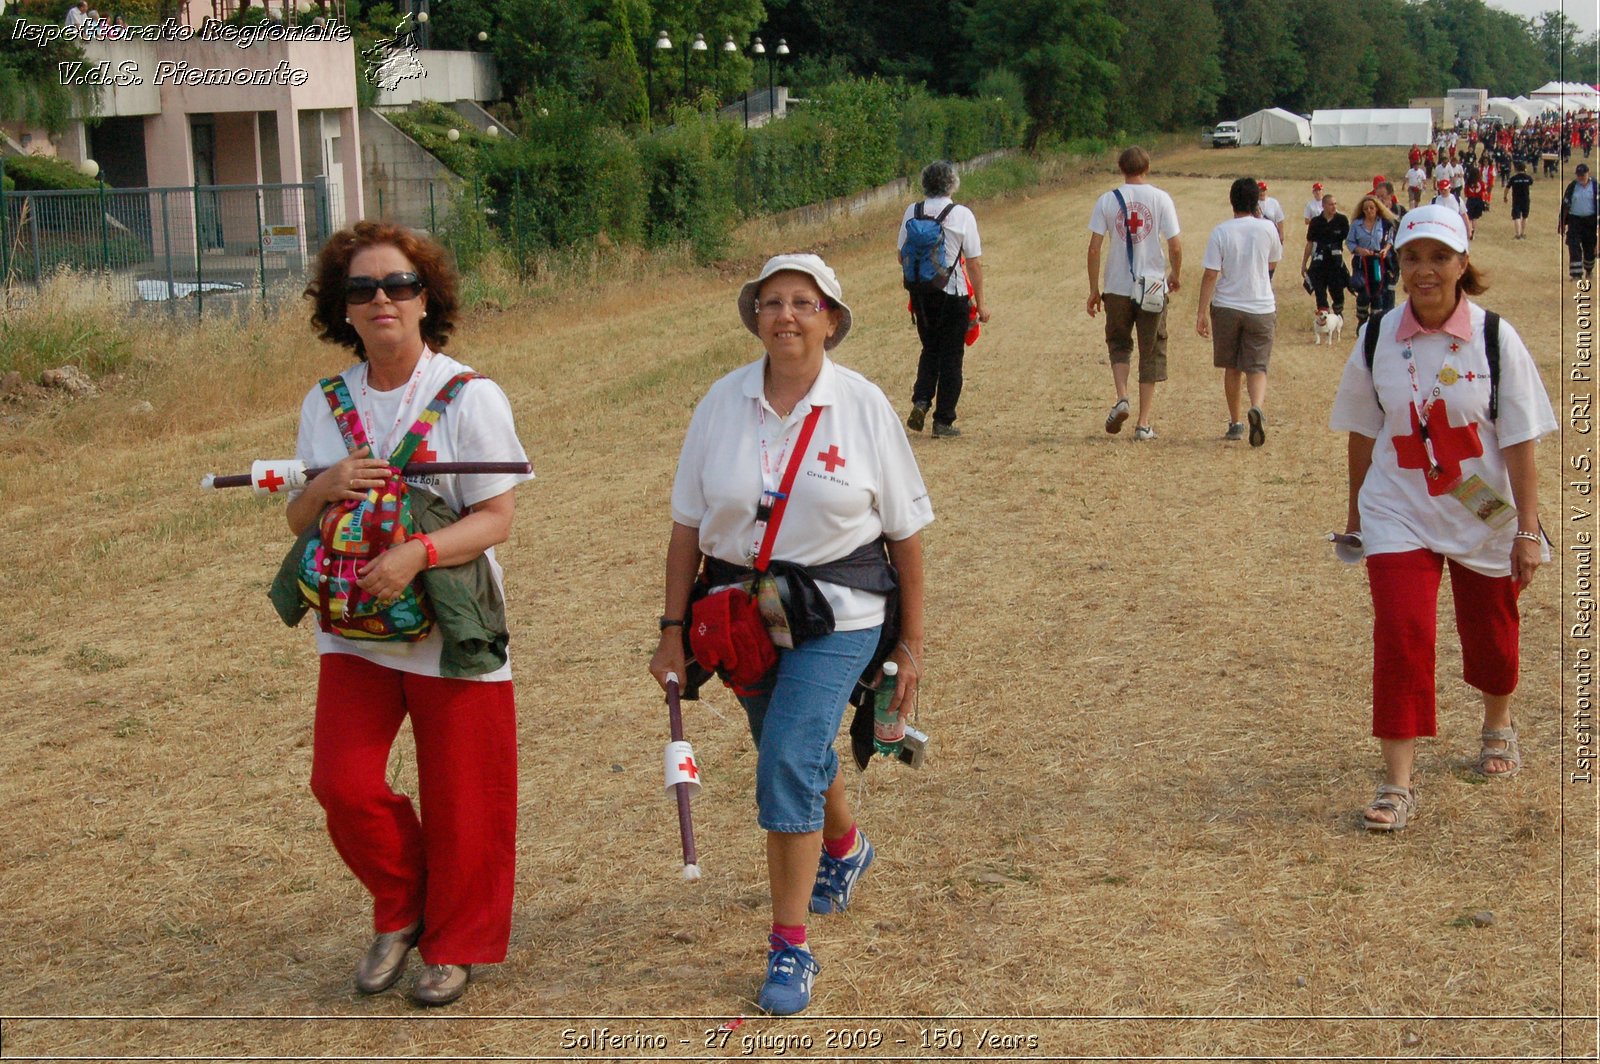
1580, 245
942, 327
1328, 284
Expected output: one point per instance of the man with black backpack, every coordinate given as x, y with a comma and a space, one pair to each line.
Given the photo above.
939, 252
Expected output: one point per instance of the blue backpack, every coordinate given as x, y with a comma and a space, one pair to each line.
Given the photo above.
922, 256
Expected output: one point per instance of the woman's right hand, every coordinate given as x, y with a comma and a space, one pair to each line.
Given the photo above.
351, 477
668, 657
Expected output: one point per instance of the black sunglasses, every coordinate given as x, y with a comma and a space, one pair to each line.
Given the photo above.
399, 287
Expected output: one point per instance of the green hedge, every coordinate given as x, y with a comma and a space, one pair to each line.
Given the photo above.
567, 181
42, 173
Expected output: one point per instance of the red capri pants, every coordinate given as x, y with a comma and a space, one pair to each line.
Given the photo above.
1405, 596
454, 865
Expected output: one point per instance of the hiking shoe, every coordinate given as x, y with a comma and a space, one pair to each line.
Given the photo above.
385, 959
1235, 431
1258, 426
1144, 432
945, 430
915, 419
790, 970
837, 877
1119, 414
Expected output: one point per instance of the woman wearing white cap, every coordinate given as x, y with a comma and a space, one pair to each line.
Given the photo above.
1443, 405
797, 466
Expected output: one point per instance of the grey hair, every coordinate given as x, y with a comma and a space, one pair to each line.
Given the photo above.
940, 179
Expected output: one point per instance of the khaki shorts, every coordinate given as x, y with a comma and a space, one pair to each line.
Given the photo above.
1122, 319
1240, 340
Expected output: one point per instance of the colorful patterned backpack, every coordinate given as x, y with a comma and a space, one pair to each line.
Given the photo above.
352, 532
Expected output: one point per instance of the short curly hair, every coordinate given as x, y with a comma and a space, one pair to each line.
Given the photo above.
326, 290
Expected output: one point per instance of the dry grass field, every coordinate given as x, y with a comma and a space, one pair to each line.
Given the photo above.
1147, 687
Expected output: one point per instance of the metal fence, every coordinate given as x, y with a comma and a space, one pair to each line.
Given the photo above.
178, 247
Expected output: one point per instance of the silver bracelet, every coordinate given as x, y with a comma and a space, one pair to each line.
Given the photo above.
1534, 536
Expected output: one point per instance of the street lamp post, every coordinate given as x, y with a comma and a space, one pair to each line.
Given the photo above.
662, 43
699, 45
716, 64
772, 92
758, 50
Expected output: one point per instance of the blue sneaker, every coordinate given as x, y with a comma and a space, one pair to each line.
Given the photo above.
790, 970
837, 877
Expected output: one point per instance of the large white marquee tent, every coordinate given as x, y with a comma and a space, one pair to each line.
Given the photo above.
1569, 95
1274, 125
1365, 126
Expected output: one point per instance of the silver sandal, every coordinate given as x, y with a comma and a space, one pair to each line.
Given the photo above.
1510, 752
1401, 802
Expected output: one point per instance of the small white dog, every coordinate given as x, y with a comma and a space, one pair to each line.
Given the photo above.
1327, 325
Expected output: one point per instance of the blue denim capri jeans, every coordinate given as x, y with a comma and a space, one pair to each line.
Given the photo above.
794, 722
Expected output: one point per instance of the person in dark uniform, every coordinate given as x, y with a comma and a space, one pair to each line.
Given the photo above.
1323, 259
1519, 188
1577, 223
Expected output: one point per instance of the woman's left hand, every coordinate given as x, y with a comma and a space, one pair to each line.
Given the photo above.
1525, 560
910, 674
388, 575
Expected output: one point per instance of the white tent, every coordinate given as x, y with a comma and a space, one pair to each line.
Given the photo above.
1535, 107
1510, 110
1569, 95
1363, 126
1274, 125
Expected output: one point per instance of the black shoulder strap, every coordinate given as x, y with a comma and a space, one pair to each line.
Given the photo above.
918, 213
1491, 348
946, 212
1370, 337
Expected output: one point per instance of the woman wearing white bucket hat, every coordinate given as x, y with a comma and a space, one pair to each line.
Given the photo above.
798, 467
1443, 404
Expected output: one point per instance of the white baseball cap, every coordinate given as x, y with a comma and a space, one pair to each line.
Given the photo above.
813, 267
1433, 222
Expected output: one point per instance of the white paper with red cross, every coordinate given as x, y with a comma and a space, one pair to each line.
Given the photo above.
680, 767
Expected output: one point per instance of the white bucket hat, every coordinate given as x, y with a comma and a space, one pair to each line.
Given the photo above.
1433, 222
813, 267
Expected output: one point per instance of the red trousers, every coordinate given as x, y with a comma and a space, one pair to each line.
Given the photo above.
453, 866
1405, 596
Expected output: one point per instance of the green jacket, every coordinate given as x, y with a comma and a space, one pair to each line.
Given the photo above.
467, 606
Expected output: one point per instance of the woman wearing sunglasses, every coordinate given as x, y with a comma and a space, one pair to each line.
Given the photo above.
812, 453
441, 882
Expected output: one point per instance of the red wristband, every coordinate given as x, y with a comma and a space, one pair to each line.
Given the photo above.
427, 545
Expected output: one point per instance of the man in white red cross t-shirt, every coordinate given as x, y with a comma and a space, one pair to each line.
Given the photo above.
1141, 218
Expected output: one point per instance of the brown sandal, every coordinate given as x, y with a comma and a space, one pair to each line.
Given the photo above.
1401, 802
1510, 752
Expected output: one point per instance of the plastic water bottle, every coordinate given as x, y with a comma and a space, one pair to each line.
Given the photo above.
887, 727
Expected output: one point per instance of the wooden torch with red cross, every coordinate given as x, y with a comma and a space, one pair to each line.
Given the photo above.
682, 779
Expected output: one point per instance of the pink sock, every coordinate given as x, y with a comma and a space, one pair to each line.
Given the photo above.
841, 846
795, 936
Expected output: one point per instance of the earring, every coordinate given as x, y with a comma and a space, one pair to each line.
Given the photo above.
424, 314
347, 319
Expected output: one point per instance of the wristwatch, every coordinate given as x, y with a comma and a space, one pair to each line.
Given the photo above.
668, 622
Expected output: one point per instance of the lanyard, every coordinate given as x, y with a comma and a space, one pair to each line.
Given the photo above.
769, 512
367, 417
1426, 408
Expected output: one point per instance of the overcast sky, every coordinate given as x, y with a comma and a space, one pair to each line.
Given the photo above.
1581, 12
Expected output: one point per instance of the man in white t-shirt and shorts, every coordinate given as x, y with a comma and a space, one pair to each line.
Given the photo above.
1238, 311
1145, 217
1416, 178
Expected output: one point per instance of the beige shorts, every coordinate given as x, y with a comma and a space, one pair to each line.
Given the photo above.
1122, 319
1240, 340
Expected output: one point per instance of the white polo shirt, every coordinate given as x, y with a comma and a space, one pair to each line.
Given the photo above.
1155, 221
476, 427
960, 238
1416, 177
857, 479
1241, 250
1397, 513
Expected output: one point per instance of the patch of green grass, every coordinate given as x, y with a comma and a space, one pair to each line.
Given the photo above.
92, 659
